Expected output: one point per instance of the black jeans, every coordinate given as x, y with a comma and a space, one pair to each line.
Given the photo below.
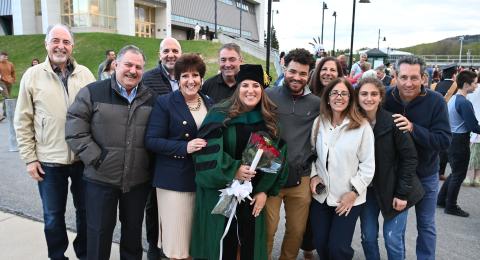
101, 204
332, 234
443, 160
458, 155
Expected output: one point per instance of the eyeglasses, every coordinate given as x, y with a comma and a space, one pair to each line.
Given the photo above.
336, 93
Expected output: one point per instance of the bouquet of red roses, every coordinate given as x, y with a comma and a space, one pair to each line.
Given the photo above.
261, 154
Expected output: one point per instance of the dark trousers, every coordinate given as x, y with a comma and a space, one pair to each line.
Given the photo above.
459, 155
241, 232
151, 224
307, 243
54, 192
332, 234
102, 201
443, 160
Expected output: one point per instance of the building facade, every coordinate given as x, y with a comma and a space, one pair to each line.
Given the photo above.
143, 18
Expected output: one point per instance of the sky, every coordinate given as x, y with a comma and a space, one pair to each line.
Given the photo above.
402, 22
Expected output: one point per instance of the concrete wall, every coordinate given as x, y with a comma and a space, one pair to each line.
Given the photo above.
160, 22
179, 34
23, 15
126, 17
50, 13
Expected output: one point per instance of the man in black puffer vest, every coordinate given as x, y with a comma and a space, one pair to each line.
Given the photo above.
106, 128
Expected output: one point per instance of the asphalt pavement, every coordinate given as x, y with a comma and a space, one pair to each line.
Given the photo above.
21, 227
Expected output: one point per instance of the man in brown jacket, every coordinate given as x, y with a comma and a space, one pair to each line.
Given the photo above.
7, 74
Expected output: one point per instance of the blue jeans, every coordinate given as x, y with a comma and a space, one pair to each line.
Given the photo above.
425, 213
393, 231
53, 192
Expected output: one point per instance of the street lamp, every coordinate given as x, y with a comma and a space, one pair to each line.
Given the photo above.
324, 6
334, 31
353, 30
461, 38
378, 41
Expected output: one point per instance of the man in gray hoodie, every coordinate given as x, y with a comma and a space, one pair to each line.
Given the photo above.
297, 108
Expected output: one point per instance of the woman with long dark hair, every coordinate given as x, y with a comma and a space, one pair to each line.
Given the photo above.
227, 129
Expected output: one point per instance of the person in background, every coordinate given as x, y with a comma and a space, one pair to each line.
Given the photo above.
327, 70
462, 122
223, 85
46, 92
227, 129
35, 61
172, 136
161, 80
473, 174
395, 186
382, 76
424, 114
343, 63
7, 74
356, 69
345, 166
109, 69
364, 67
106, 128
109, 55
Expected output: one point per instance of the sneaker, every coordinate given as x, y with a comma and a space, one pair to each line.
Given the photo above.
457, 211
476, 182
467, 182
2, 118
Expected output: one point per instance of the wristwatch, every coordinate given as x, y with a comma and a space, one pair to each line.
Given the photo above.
355, 191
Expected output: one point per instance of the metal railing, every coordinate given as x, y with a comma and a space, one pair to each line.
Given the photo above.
464, 60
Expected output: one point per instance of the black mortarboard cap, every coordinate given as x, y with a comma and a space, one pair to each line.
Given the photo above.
252, 72
449, 67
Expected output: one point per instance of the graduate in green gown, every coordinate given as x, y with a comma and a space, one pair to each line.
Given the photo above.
227, 128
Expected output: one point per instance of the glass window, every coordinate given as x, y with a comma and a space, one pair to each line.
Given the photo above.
90, 13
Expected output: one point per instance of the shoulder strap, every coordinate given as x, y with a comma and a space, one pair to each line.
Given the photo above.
433, 86
451, 91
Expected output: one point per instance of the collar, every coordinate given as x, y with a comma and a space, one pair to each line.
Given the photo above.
448, 79
69, 67
162, 67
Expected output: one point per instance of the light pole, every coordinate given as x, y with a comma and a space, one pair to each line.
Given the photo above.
241, 11
334, 31
353, 30
461, 38
269, 40
378, 41
324, 6
215, 18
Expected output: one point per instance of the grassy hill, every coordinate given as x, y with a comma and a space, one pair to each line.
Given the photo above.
449, 46
90, 49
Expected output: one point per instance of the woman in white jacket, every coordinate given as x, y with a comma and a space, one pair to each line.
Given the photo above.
345, 166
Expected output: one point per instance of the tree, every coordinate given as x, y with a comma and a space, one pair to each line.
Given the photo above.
274, 40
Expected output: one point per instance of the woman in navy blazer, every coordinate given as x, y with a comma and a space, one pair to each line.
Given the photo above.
171, 135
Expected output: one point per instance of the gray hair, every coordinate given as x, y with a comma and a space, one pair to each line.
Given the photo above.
51, 27
130, 48
231, 46
411, 60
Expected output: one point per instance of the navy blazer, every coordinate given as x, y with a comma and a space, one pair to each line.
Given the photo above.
170, 127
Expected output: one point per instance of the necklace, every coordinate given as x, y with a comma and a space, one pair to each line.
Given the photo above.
197, 107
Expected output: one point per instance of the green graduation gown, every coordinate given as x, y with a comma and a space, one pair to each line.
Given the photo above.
215, 169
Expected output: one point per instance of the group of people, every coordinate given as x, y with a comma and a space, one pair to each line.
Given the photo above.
161, 144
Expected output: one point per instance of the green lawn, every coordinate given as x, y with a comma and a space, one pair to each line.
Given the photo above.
90, 49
